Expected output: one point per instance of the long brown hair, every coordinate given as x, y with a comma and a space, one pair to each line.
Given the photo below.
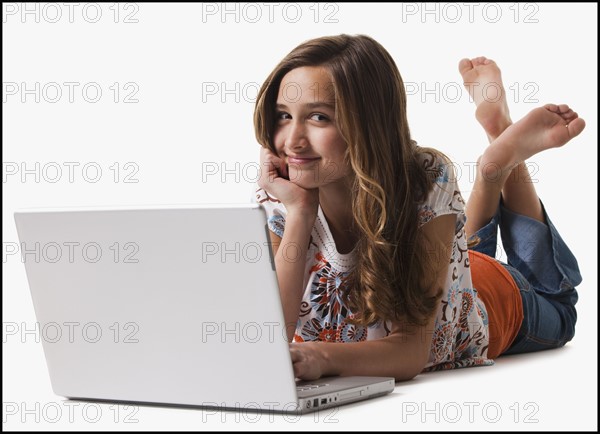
393, 270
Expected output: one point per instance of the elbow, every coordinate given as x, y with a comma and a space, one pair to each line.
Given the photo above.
407, 375
411, 370
406, 361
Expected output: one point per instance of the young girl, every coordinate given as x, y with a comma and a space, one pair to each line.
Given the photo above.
369, 230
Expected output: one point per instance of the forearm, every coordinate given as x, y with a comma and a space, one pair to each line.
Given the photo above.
387, 357
290, 263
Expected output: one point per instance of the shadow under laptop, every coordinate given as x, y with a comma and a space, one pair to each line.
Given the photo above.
324, 413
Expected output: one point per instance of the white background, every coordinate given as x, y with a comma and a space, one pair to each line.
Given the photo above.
184, 62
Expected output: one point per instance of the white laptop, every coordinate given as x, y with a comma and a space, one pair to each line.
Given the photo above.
168, 305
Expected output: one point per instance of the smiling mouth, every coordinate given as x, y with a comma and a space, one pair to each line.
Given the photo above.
293, 160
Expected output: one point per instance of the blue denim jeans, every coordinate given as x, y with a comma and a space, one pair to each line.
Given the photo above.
546, 273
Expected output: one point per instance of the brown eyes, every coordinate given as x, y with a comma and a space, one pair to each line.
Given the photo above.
314, 116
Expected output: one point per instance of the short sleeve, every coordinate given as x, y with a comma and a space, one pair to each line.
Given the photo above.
445, 196
275, 210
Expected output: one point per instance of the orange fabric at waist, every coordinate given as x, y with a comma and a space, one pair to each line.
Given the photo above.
502, 298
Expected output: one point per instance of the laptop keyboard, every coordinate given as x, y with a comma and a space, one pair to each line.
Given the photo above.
309, 387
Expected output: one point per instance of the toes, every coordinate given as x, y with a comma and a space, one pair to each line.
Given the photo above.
481, 60
563, 110
570, 116
465, 66
560, 109
575, 127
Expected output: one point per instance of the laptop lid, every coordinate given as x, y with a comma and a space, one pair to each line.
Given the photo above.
166, 305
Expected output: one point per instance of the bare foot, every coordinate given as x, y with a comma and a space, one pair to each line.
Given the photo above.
483, 81
550, 126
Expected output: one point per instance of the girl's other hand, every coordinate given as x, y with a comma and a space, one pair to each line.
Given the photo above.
274, 179
307, 360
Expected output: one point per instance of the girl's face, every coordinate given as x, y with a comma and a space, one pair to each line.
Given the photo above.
306, 137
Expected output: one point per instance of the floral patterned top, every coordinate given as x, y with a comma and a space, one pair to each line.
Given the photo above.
460, 337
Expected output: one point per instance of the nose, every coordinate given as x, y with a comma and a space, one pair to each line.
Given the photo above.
296, 139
